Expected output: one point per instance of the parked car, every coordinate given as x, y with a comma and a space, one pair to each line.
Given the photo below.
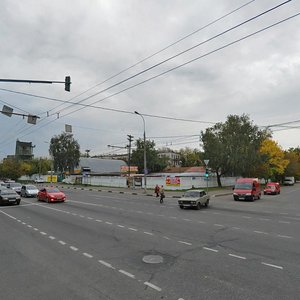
29, 190
246, 189
39, 180
289, 180
272, 188
194, 198
14, 186
9, 196
51, 194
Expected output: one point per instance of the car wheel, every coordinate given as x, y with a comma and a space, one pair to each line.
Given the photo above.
181, 206
48, 200
252, 198
206, 203
18, 202
198, 206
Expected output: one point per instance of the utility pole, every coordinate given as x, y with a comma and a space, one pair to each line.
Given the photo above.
130, 139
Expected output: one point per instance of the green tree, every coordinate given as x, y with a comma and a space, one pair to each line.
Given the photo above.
10, 168
190, 157
293, 168
154, 162
232, 147
65, 151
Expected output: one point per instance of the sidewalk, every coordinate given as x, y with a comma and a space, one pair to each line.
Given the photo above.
139, 191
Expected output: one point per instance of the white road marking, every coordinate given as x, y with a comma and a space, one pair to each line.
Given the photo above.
90, 218
43, 233
132, 229
201, 222
149, 233
99, 221
23, 223
106, 264
237, 256
51, 237
36, 229
29, 226
260, 232
219, 225
81, 216
109, 223
73, 248
186, 243
274, 266
74, 214
188, 220
285, 236
127, 274
167, 238
87, 255
246, 217
173, 217
237, 228
8, 215
121, 226
284, 222
210, 249
152, 286
62, 242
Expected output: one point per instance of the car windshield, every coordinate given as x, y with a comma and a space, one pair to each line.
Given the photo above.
15, 184
31, 187
243, 186
192, 194
7, 192
53, 190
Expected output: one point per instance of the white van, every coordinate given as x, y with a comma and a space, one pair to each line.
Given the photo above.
289, 180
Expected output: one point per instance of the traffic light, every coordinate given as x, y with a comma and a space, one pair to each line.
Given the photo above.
68, 83
206, 173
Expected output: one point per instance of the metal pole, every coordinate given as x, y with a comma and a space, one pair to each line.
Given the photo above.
145, 156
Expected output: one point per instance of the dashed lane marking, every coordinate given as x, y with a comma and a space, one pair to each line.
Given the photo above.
62, 243
127, 274
273, 266
87, 255
186, 243
73, 248
106, 264
210, 249
237, 256
152, 286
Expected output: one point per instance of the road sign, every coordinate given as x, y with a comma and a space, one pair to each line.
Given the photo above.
206, 161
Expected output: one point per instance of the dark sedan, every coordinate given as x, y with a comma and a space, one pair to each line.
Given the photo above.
8, 196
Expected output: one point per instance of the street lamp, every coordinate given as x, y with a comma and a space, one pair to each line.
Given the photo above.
145, 158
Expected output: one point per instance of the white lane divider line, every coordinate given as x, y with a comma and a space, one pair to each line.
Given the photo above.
165, 237
8, 215
81, 216
173, 217
36, 229
73, 248
87, 255
186, 243
43, 233
62, 243
155, 287
109, 223
260, 232
121, 226
90, 218
132, 229
237, 256
210, 249
106, 264
127, 274
273, 266
23, 223
51, 237
284, 222
201, 222
74, 214
246, 217
29, 226
149, 233
237, 228
100, 221
188, 220
219, 225
284, 236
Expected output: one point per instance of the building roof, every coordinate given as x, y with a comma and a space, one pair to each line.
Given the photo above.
101, 166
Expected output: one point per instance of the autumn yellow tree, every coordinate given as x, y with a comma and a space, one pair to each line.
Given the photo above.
274, 162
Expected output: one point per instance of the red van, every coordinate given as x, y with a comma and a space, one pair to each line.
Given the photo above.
272, 188
246, 189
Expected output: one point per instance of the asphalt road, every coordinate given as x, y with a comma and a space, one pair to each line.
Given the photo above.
94, 246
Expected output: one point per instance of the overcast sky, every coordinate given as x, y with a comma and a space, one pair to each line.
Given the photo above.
94, 40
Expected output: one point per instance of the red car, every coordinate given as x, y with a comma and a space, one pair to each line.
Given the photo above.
272, 188
51, 194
